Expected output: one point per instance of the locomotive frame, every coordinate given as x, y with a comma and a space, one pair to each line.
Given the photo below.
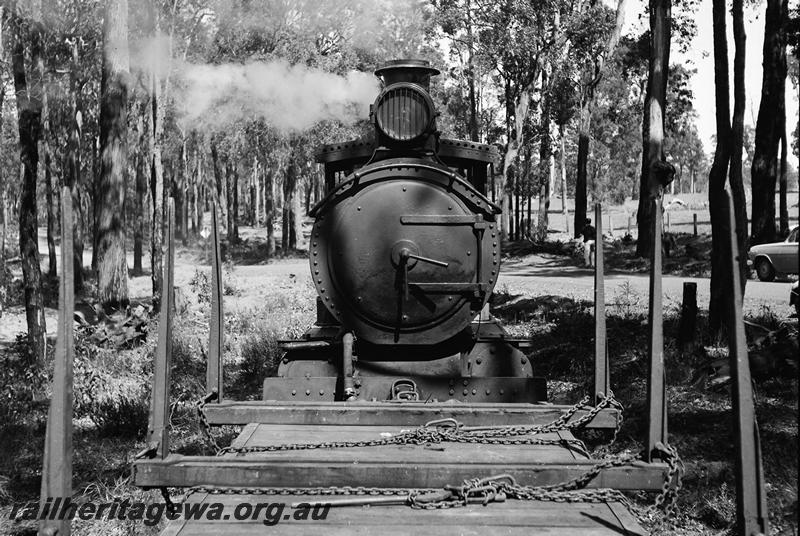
326, 409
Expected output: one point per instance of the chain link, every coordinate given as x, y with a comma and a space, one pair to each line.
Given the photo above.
444, 430
205, 426
667, 499
485, 490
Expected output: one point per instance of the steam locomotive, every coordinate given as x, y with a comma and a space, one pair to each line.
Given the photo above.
404, 254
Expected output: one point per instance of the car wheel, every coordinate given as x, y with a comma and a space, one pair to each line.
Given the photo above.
764, 270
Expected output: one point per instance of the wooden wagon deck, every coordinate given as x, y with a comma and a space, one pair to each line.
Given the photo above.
395, 466
509, 518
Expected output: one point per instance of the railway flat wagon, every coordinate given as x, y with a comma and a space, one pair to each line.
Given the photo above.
406, 408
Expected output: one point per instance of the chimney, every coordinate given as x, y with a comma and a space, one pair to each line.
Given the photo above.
414, 71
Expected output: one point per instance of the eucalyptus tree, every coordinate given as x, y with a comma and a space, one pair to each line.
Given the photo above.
112, 268
25, 22
727, 163
768, 130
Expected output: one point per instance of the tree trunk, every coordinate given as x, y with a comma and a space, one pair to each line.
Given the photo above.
232, 184
545, 154
783, 178
720, 271
156, 165
51, 196
288, 234
29, 113
563, 163
219, 182
95, 201
521, 182
197, 188
183, 195
255, 195
737, 139
112, 268
580, 179
269, 210
764, 173
140, 200
653, 121
73, 167
473, 106
51, 190
585, 119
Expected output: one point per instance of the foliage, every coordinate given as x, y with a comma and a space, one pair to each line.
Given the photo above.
22, 384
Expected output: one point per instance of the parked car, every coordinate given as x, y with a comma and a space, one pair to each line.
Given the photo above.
776, 257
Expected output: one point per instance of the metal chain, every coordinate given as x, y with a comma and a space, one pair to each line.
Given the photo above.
488, 489
205, 426
667, 499
444, 430
328, 490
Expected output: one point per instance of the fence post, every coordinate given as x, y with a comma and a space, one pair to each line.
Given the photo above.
656, 388
57, 467
751, 497
688, 322
694, 221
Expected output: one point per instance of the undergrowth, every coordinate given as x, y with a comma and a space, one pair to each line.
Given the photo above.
700, 414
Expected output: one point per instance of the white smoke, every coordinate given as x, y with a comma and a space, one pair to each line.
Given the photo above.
289, 98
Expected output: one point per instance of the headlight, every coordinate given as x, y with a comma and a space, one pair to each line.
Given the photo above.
403, 112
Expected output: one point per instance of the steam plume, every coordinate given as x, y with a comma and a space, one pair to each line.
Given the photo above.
289, 98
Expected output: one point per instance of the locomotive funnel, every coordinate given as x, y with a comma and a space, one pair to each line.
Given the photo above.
414, 71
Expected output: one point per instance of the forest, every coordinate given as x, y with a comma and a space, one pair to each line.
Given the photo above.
129, 103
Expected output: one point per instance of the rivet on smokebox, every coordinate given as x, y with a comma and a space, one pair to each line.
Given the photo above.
321, 392
466, 382
308, 392
474, 391
488, 391
479, 361
469, 253
466, 392
523, 360
294, 392
452, 391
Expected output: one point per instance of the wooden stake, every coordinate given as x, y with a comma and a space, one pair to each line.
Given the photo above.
656, 388
751, 497
57, 468
158, 429
601, 376
215, 338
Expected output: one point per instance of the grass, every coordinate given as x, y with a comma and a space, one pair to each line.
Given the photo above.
113, 381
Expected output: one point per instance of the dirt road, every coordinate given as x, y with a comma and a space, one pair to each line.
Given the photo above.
544, 274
